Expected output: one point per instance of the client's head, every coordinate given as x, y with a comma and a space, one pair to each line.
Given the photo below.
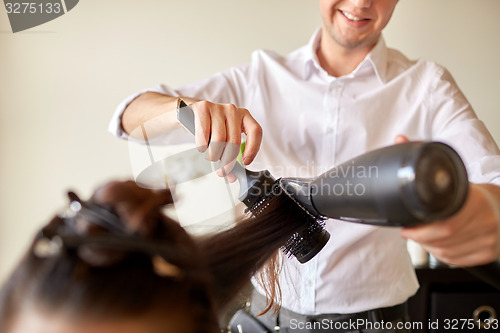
114, 264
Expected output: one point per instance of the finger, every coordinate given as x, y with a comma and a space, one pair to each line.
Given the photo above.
475, 252
217, 138
456, 237
233, 138
474, 243
230, 177
254, 138
202, 125
459, 239
443, 233
473, 259
229, 157
425, 233
214, 151
401, 139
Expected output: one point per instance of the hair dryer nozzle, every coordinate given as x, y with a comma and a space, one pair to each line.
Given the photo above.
434, 181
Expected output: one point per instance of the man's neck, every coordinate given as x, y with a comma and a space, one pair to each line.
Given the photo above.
337, 60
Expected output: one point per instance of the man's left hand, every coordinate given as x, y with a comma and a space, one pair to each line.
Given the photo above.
469, 238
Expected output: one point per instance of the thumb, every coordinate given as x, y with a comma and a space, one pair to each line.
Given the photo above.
401, 139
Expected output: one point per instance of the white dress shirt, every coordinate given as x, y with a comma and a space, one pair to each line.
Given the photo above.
312, 121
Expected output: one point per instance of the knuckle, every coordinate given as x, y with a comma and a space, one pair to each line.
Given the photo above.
235, 141
217, 137
204, 104
202, 107
446, 231
231, 111
258, 129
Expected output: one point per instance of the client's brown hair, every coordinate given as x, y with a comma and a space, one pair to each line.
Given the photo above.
117, 255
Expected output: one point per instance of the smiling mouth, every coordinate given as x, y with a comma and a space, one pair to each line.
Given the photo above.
353, 17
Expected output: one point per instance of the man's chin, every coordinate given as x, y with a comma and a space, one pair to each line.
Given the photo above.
356, 42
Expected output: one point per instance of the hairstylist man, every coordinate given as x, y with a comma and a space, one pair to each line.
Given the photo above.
341, 95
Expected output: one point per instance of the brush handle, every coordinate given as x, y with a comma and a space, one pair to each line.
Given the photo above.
251, 182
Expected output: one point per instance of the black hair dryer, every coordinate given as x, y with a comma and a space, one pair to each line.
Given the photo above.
400, 185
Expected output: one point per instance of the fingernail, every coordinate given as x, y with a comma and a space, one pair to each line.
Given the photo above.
245, 160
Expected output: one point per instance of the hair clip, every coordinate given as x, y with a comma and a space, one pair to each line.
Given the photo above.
46, 248
60, 234
100, 216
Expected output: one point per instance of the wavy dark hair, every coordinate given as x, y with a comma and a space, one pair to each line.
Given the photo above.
118, 255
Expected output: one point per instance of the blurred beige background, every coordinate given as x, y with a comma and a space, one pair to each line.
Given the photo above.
60, 82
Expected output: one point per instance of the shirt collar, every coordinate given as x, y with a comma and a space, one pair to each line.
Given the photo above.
312, 61
377, 58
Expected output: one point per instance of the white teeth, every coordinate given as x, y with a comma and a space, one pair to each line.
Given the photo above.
351, 17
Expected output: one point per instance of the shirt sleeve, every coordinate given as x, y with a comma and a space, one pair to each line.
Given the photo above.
456, 124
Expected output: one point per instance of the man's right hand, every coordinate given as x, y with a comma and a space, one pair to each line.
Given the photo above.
218, 129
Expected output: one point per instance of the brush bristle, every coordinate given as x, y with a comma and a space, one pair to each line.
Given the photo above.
309, 235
